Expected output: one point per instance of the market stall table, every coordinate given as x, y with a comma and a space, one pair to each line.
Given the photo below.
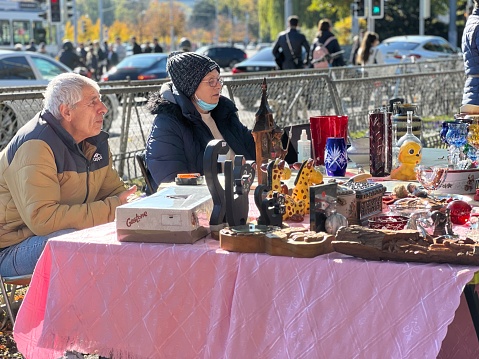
93, 294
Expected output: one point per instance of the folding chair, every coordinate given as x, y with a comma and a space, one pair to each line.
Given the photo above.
140, 158
15, 283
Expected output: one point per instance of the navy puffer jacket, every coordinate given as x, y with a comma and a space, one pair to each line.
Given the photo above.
179, 136
470, 50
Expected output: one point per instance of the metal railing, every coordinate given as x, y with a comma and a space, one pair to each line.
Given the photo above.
295, 96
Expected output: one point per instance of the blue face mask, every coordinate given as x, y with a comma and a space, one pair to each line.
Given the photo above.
205, 106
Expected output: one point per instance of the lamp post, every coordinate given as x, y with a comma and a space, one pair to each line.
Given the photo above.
288, 11
216, 37
172, 28
100, 15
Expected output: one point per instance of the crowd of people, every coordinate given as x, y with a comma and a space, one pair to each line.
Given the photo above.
98, 58
293, 51
93, 59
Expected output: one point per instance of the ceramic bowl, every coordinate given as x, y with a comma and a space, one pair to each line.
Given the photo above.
460, 182
393, 223
361, 143
359, 158
358, 152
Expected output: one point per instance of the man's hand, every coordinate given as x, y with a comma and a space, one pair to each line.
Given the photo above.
127, 195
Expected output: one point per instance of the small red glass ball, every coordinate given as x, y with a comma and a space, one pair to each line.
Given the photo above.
460, 211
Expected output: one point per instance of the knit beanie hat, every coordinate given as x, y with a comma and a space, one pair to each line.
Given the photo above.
187, 70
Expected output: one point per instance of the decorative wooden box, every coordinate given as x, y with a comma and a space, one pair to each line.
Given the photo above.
368, 199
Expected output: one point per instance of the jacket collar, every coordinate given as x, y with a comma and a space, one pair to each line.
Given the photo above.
69, 141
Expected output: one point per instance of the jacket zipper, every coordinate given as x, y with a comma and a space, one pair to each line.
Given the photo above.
87, 180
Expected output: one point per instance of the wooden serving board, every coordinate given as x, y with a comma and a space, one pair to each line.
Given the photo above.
402, 246
289, 242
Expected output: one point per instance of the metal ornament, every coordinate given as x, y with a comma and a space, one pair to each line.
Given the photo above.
271, 210
269, 201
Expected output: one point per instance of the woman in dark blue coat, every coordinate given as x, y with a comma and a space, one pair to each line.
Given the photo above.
190, 112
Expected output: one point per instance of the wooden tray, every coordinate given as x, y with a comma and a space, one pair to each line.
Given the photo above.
290, 242
402, 246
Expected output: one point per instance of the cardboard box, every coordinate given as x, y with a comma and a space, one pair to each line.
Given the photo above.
177, 214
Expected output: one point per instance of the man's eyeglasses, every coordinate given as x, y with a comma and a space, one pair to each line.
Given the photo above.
213, 82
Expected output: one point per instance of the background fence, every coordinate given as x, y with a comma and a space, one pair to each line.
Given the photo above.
436, 87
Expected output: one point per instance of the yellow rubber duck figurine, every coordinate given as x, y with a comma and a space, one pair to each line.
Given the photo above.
410, 156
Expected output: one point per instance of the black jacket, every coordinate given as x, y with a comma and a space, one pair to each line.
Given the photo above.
70, 59
332, 47
179, 136
298, 41
136, 49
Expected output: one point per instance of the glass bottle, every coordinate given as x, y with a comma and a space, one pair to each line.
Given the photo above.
409, 136
409, 155
400, 118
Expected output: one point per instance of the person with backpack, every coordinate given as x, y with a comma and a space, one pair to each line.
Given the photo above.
326, 46
287, 50
368, 54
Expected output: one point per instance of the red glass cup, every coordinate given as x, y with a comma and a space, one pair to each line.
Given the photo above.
323, 127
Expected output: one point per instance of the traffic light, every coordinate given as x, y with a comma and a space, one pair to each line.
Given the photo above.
377, 9
70, 9
360, 8
55, 11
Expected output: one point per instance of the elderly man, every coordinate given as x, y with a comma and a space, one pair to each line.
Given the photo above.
57, 174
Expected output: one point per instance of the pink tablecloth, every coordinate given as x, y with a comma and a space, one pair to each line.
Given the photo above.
94, 294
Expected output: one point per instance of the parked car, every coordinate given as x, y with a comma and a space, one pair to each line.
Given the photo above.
26, 68
418, 47
225, 56
139, 67
263, 60
262, 45
28, 71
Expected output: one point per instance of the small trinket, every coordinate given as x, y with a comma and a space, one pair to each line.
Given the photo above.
267, 136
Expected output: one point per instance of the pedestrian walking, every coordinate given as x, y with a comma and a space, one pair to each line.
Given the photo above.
120, 49
42, 48
156, 46
68, 55
326, 38
112, 57
289, 45
368, 54
147, 49
136, 47
31, 46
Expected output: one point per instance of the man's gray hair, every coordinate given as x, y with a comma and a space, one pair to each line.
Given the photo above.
65, 89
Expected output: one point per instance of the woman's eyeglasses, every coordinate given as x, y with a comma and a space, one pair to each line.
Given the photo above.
213, 82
